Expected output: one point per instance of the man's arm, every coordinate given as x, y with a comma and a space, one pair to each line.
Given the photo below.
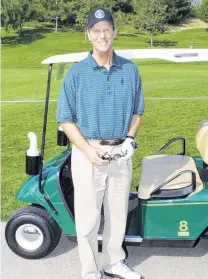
138, 105
76, 137
134, 126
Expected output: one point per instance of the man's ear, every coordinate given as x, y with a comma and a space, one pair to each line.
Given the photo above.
89, 34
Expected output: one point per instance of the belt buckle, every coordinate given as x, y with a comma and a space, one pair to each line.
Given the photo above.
116, 142
103, 142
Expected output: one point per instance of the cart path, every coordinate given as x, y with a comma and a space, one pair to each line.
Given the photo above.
152, 99
152, 263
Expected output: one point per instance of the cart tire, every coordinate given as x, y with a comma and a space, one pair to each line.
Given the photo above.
32, 221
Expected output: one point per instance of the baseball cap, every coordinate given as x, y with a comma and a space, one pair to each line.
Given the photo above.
98, 15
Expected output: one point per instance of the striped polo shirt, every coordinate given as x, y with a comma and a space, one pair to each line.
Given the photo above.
101, 102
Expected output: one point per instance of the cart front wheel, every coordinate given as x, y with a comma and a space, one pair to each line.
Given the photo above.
32, 233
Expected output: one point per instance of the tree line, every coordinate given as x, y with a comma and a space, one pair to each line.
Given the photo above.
151, 16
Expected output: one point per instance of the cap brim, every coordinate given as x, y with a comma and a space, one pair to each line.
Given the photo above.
98, 20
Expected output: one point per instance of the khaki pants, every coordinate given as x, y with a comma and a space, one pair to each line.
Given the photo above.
94, 185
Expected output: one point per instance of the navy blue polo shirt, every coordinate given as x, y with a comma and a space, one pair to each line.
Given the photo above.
101, 102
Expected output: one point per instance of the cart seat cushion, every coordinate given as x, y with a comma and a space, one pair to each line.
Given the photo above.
202, 140
160, 168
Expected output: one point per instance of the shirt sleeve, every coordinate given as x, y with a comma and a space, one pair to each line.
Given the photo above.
139, 95
66, 109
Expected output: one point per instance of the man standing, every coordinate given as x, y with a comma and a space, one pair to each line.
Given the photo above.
100, 106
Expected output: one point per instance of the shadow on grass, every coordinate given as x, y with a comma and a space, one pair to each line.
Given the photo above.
141, 33
127, 35
164, 43
135, 34
26, 36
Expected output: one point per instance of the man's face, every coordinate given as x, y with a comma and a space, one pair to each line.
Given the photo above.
102, 36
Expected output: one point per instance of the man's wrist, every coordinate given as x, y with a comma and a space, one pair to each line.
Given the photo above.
133, 143
131, 137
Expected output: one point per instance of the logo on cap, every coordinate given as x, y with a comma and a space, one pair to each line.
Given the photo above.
99, 14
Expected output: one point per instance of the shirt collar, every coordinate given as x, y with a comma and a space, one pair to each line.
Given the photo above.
94, 64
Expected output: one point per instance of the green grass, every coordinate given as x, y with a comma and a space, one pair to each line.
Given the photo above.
23, 77
160, 78
38, 44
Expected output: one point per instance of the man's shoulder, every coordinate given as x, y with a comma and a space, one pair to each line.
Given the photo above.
126, 63
79, 66
76, 70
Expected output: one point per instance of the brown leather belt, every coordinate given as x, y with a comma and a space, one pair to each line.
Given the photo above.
111, 142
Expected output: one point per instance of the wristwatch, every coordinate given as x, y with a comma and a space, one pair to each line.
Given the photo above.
133, 143
131, 137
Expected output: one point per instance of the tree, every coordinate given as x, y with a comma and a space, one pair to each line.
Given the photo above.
62, 11
47, 10
120, 19
205, 10
149, 16
67, 10
201, 11
177, 9
81, 14
124, 6
15, 13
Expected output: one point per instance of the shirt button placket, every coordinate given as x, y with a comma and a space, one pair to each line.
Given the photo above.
108, 86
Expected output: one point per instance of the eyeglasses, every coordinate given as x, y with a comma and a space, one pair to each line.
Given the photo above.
115, 157
97, 32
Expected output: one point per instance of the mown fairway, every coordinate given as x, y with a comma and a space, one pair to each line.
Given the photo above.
24, 78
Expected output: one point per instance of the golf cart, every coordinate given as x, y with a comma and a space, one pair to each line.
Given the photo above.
169, 209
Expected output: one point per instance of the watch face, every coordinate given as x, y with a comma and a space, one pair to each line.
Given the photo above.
134, 145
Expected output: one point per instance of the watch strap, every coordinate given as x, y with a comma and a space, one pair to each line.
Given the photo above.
131, 137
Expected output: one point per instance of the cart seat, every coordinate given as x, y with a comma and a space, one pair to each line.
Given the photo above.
160, 168
202, 140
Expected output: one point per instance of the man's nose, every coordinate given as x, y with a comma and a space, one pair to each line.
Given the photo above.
102, 34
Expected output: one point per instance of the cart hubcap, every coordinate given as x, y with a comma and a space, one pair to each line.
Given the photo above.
29, 237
